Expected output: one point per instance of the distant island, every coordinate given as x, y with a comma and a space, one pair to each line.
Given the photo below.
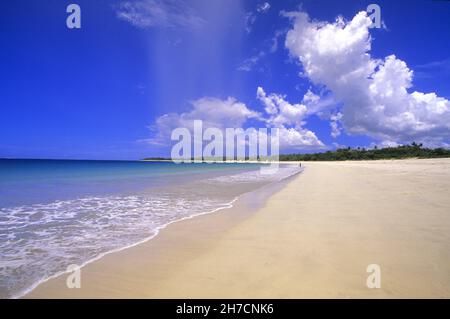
357, 154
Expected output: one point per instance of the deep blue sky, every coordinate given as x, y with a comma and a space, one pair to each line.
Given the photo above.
93, 93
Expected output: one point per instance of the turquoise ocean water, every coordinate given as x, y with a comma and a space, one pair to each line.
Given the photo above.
54, 213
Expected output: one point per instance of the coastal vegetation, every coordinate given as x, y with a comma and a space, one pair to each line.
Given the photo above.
344, 154
414, 150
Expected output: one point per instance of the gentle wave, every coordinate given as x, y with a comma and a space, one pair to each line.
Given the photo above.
258, 175
39, 241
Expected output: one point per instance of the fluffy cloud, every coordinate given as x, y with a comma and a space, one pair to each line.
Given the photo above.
158, 13
289, 118
281, 112
230, 113
321, 105
220, 113
374, 92
299, 138
212, 111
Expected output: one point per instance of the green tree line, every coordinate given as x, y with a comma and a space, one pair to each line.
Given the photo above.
344, 154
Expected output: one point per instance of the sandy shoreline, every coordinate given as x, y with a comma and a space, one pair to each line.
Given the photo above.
313, 238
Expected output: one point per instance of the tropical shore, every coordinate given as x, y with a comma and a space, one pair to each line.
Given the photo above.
313, 237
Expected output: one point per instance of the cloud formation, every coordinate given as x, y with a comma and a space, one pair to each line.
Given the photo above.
289, 118
230, 113
158, 13
250, 17
281, 111
374, 92
212, 111
263, 7
248, 64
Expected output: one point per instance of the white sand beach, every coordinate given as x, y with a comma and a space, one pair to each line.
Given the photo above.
313, 238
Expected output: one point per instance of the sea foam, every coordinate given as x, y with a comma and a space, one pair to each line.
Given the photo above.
39, 241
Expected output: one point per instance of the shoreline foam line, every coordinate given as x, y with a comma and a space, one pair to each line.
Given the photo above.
157, 230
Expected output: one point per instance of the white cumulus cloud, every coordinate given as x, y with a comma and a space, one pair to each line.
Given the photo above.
230, 113
213, 112
281, 111
376, 93
289, 118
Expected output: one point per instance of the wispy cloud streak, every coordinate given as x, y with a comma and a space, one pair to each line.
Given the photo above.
159, 13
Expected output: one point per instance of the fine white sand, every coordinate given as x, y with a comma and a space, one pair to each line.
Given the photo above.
313, 238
